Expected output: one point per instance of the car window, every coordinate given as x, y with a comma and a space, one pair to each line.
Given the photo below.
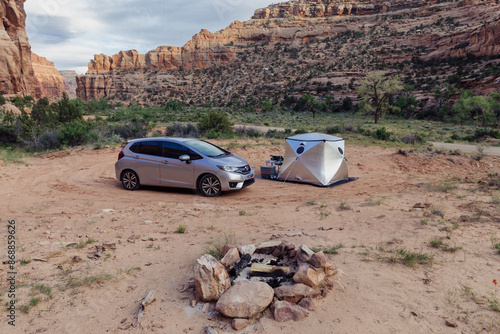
148, 147
174, 151
134, 148
208, 149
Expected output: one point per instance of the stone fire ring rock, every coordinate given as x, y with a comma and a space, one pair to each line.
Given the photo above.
245, 300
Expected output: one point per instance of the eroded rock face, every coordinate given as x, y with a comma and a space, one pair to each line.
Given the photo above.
286, 29
326, 8
50, 81
210, 278
21, 71
245, 300
16, 72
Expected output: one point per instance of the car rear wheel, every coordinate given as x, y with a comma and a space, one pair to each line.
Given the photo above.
130, 180
209, 186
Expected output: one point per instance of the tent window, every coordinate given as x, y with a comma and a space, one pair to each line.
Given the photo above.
300, 150
341, 151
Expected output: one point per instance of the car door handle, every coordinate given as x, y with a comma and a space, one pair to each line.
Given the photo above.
136, 157
165, 162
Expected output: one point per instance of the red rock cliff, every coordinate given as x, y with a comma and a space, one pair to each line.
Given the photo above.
50, 81
16, 71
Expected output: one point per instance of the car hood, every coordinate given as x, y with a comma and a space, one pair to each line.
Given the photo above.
229, 160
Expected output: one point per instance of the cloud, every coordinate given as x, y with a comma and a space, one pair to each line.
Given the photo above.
70, 32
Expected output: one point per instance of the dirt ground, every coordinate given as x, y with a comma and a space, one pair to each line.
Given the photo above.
66, 203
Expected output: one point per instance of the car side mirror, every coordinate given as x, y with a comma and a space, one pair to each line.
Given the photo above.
186, 158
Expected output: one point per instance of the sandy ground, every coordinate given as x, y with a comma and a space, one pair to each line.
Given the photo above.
70, 196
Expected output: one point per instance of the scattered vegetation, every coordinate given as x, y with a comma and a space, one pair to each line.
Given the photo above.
84, 243
410, 259
215, 246
329, 250
181, 229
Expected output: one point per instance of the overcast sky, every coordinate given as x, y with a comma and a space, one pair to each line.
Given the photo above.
70, 32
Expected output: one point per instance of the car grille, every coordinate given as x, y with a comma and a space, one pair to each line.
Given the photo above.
244, 170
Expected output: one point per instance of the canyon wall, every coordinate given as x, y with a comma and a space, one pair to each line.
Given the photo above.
50, 81
16, 72
21, 71
392, 31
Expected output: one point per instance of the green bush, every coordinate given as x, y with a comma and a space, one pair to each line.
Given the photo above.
215, 122
2, 99
8, 134
382, 134
173, 104
75, 133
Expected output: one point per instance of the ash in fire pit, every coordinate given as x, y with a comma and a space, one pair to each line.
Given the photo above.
247, 280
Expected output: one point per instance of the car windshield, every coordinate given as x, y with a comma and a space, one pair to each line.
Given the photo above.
210, 150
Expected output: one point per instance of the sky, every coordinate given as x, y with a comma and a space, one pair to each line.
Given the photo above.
69, 32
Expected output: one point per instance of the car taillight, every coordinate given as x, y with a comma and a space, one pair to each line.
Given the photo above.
121, 155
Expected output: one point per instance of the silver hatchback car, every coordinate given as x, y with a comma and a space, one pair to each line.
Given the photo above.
183, 163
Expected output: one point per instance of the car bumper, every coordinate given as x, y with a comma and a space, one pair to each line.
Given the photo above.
235, 181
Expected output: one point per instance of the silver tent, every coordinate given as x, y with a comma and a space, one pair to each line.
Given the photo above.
314, 158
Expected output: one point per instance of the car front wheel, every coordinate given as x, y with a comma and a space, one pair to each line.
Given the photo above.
210, 186
130, 180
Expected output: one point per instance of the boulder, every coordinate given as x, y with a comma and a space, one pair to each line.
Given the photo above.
307, 303
226, 248
245, 300
267, 247
292, 293
231, 258
318, 260
309, 276
248, 249
284, 311
239, 324
304, 253
210, 278
10, 109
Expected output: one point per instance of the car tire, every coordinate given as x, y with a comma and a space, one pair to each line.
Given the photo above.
210, 186
130, 180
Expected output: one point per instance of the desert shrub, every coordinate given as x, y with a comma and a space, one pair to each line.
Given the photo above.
67, 110
8, 134
276, 134
2, 99
75, 133
182, 130
300, 131
49, 139
174, 104
333, 129
248, 132
382, 134
130, 130
215, 122
412, 138
482, 133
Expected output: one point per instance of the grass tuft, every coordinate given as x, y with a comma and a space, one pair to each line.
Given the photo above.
328, 250
181, 229
215, 246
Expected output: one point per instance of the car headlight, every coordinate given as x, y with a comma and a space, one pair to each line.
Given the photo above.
228, 168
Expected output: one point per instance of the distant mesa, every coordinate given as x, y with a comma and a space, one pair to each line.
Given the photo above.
284, 46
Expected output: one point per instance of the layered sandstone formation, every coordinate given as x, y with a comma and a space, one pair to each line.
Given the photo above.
327, 8
439, 29
16, 72
50, 81
21, 71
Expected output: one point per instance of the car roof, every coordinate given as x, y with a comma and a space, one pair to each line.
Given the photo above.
174, 139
